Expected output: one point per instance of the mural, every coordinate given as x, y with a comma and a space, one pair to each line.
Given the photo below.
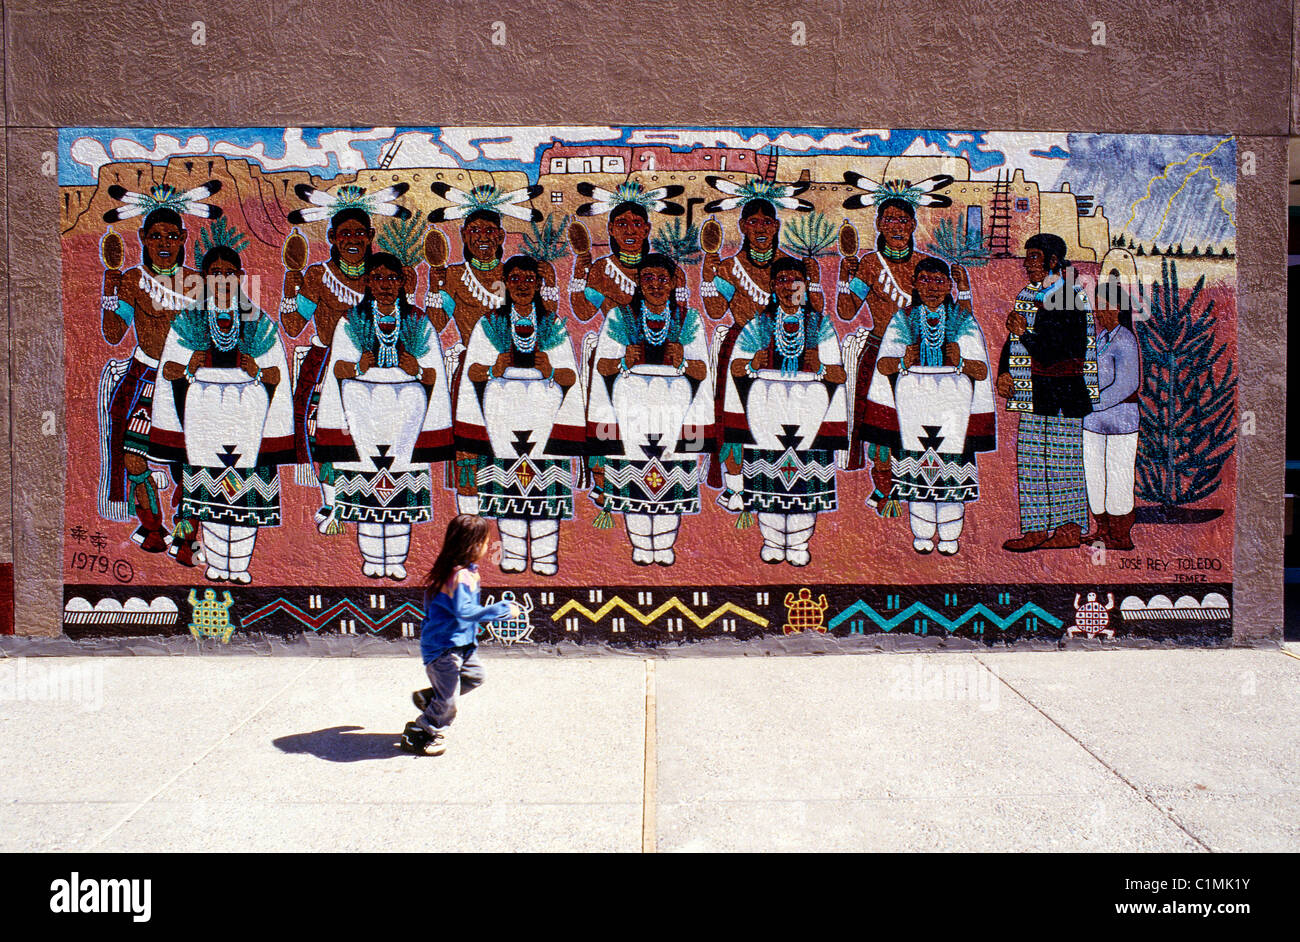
708, 382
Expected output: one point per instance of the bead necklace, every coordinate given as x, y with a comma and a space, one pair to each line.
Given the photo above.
762, 258
226, 340
352, 271
896, 254
484, 266
631, 259
932, 336
387, 339
164, 272
523, 344
655, 338
790, 345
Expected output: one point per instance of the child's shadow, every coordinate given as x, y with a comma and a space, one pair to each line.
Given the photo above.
342, 744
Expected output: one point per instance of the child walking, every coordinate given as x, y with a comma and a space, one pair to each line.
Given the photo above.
449, 632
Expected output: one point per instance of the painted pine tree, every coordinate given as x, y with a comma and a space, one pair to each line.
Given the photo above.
549, 241
678, 240
404, 239
1188, 426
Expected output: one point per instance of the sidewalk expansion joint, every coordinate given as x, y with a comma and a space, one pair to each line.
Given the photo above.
206, 752
651, 762
1106, 765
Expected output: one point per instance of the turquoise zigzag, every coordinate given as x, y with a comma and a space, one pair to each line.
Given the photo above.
943, 621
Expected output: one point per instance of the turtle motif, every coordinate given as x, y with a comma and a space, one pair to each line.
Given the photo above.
802, 613
211, 618
1092, 618
513, 630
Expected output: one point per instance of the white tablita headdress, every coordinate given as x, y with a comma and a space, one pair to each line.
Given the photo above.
783, 195
164, 196
652, 201
914, 194
486, 197
325, 205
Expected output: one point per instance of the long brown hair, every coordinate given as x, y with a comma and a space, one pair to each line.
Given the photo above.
466, 533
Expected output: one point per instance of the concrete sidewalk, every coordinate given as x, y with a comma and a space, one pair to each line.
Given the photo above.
1159, 750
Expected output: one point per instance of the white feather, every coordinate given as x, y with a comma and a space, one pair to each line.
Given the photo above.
726, 186
518, 212
198, 193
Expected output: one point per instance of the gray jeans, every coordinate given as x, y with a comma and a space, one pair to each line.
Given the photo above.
456, 668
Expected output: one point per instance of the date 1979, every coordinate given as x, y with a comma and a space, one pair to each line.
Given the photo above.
121, 569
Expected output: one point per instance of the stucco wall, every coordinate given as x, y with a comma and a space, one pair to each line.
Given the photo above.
1185, 68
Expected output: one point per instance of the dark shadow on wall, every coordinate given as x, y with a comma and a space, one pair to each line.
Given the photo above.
342, 744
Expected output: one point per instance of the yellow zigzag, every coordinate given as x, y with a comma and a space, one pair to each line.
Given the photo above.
674, 602
1165, 173
1188, 179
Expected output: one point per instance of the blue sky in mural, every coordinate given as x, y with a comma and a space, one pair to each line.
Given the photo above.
1153, 187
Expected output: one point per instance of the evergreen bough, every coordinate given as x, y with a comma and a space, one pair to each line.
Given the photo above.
1188, 426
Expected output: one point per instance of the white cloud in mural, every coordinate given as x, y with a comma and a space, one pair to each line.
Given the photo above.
418, 149
1016, 147
517, 143
298, 153
91, 153
856, 140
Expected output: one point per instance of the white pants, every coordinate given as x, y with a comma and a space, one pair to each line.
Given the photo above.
1108, 462
786, 537
228, 550
383, 548
652, 537
519, 537
936, 518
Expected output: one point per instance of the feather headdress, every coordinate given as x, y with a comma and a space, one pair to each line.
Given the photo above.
164, 196
487, 197
914, 194
738, 194
653, 201
325, 205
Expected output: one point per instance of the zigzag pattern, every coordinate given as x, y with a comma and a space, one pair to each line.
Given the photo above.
943, 621
807, 471
405, 611
674, 473
953, 470
544, 477
671, 604
268, 489
352, 483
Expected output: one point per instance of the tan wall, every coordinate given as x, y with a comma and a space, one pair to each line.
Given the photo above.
1195, 66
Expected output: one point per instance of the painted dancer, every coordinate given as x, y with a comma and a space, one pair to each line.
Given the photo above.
474, 288
882, 279
931, 405
785, 408
147, 299
384, 416
224, 414
1048, 374
323, 293
651, 413
741, 286
609, 282
1110, 431
521, 411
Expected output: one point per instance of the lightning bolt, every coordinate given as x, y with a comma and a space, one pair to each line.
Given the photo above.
1188, 179
1164, 174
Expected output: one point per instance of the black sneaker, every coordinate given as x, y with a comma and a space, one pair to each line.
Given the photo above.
421, 698
417, 741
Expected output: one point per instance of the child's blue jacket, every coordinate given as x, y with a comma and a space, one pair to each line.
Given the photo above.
451, 621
